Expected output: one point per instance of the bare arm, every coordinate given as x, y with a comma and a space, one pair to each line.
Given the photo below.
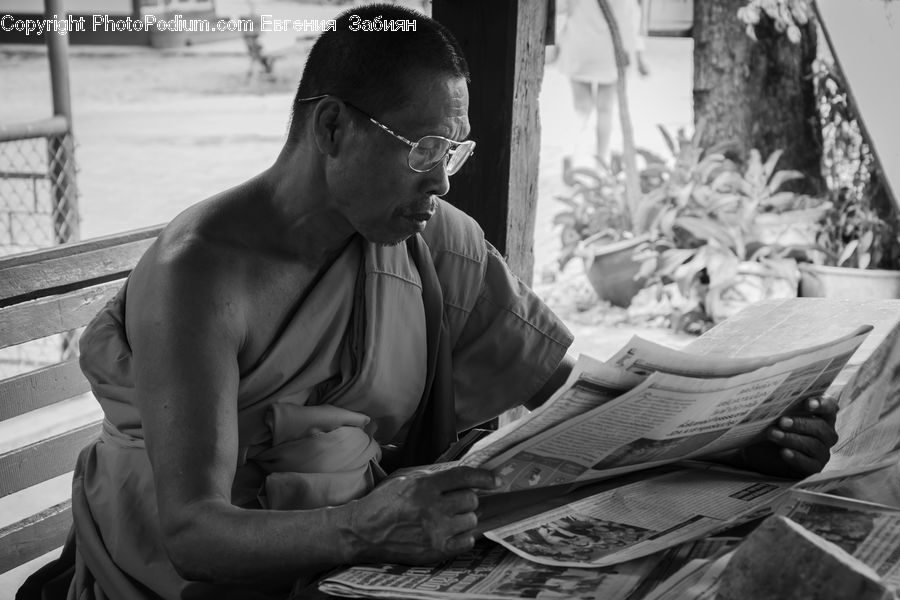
186, 326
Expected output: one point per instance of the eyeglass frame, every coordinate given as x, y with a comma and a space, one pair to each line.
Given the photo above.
454, 145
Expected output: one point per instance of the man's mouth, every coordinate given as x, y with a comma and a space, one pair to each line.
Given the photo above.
422, 213
423, 216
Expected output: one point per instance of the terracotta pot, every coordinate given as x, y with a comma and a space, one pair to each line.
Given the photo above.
611, 269
818, 281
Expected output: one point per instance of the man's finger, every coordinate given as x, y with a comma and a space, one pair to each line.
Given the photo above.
459, 478
825, 406
459, 524
801, 463
814, 427
459, 501
800, 444
460, 543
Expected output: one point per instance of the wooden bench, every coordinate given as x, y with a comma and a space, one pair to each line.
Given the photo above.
47, 412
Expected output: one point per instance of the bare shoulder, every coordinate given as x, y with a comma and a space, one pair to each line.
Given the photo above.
192, 276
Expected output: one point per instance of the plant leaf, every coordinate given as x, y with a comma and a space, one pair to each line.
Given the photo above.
849, 249
705, 230
782, 177
769, 167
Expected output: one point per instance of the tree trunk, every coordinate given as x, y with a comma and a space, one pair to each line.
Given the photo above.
757, 93
632, 182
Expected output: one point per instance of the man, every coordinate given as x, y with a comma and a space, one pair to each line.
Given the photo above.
285, 343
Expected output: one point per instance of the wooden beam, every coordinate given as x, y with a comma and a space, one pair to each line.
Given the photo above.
503, 41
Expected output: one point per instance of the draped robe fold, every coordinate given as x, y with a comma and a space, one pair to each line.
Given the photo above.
393, 350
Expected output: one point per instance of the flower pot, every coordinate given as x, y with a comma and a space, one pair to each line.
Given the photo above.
755, 282
844, 282
611, 269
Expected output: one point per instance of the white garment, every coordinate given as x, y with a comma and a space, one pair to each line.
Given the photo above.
585, 44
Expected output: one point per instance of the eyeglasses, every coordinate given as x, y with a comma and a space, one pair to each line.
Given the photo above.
428, 152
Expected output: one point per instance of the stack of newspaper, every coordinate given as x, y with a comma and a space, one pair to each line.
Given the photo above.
647, 406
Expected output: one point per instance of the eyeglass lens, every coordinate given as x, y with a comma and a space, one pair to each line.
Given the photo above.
432, 149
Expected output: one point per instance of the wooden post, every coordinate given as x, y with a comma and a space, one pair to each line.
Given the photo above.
503, 41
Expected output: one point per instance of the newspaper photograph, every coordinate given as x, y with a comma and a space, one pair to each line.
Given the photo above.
869, 532
488, 572
664, 419
641, 518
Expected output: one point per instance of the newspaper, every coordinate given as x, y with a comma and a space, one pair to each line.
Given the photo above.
641, 518
592, 430
489, 572
869, 532
869, 420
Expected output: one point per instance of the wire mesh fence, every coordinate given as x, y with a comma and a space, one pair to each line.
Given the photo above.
38, 197
38, 209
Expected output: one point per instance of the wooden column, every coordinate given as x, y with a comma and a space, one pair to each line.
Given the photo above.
503, 41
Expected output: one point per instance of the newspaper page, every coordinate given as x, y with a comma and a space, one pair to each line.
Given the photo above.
667, 418
868, 423
489, 572
643, 357
869, 532
590, 384
641, 518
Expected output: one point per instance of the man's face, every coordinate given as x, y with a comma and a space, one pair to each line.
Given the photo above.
382, 198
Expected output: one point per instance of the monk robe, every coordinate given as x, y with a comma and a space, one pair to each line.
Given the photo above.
394, 350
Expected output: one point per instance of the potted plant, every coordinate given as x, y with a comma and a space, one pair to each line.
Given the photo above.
858, 250
704, 233
596, 227
856, 256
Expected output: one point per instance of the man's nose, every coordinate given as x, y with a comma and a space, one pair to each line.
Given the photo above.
437, 179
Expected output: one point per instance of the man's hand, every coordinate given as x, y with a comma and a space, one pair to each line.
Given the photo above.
419, 518
799, 445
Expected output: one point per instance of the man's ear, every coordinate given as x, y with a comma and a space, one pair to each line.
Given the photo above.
330, 121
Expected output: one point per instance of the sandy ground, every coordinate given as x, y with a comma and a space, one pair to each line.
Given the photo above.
159, 130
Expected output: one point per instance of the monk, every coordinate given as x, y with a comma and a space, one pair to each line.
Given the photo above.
288, 343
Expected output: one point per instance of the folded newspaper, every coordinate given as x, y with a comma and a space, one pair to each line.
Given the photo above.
651, 405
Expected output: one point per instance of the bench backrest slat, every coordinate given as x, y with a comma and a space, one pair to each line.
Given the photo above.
46, 316
24, 467
58, 274
24, 393
35, 536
